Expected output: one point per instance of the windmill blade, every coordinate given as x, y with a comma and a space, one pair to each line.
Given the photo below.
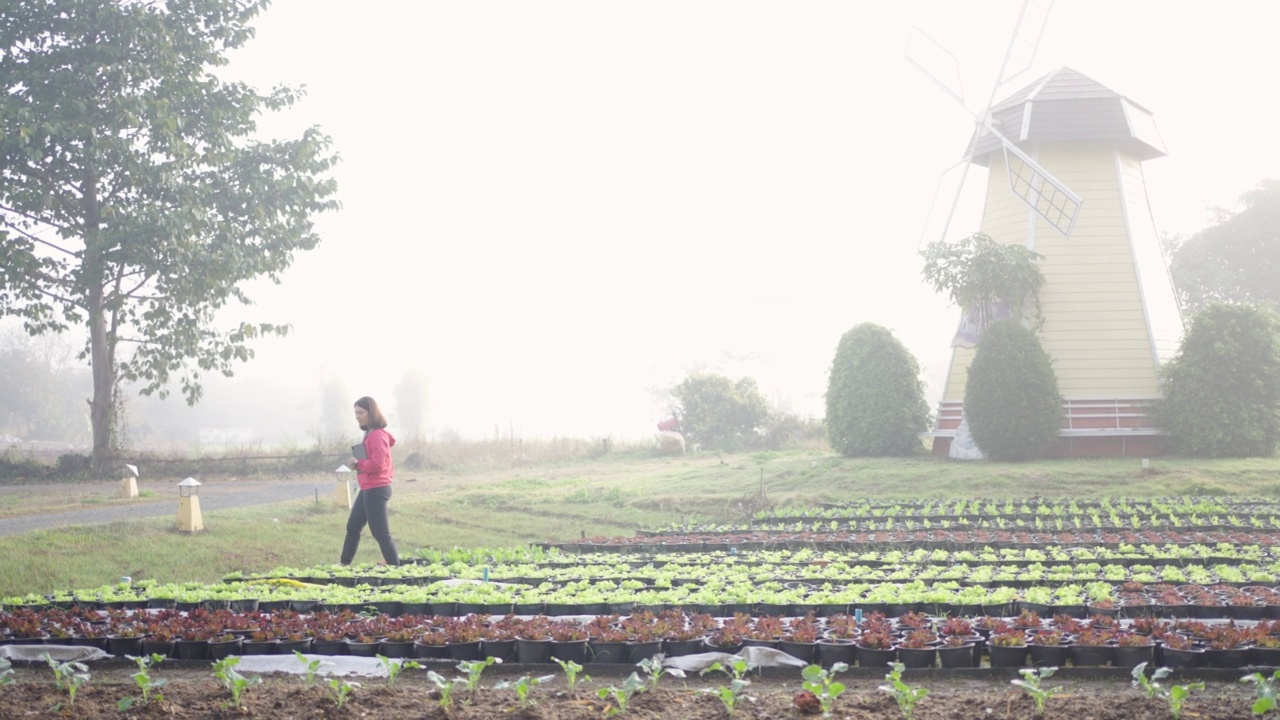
950, 182
936, 62
1024, 43
1039, 189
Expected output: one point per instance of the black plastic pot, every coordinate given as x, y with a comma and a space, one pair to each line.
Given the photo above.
1091, 655
191, 649
258, 647
917, 657
533, 651
676, 648
396, 648
875, 658
423, 651
805, 651
504, 650
959, 656
464, 650
1007, 656
1048, 655
1130, 656
608, 651
832, 651
637, 651
121, 646
224, 648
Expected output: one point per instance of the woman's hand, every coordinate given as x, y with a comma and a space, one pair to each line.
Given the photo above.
352, 463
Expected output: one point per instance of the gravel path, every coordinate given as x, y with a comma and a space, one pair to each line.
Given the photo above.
214, 495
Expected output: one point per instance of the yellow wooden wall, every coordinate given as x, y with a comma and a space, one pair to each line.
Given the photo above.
1097, 327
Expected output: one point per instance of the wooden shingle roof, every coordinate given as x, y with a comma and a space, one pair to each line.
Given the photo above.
1066, 106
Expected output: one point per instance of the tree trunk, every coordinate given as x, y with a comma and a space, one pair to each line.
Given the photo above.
102, 409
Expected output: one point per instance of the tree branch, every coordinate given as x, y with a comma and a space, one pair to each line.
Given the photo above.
37, 239
59, 298
28, 216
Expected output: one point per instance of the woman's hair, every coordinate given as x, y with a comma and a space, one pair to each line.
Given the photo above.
376, 418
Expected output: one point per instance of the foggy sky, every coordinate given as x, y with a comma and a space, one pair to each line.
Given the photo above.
557, 209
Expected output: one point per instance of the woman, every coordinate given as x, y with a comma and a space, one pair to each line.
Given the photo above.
374, 476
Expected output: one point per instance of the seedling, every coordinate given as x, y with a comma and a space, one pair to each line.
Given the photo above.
1266, 701
475, 668
446, 687
143, 680
1179, 693
68, 676
394, 668
1030, 683
342, 689
737, 669
225, 671
906, 695
731, 694
310, 668
571, 670
522, 687
823, 684
621, 696
1149, 686
653, 668
6, 672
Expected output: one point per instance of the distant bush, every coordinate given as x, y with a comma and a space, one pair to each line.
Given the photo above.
73, 465
1222, 389
1011, 399
717, 413
875, 400
788, 430
15, 468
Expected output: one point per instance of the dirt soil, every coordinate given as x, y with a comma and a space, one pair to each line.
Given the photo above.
195, 694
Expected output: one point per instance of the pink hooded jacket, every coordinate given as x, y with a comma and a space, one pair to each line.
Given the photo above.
375, 470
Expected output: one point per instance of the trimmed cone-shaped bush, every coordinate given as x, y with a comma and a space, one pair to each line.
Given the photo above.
1011, 398
875, 400
1222, 389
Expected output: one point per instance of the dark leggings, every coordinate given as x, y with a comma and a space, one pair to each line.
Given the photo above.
370, 508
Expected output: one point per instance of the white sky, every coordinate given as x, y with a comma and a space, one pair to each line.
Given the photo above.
557, 209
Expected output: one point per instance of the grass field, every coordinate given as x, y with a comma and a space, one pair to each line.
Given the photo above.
557, 500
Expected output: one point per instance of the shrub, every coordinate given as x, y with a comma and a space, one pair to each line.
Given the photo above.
1011, 398
1222, 389
720, 414
786, 430
875, 400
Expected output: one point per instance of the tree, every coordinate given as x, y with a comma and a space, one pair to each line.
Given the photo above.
1011, 397
43, 396
336, 414
411, 402
1237, 259
981, 275
875, 399
1221, 393
133, 197
718, 413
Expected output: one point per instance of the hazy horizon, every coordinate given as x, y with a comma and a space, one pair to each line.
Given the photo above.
556, 210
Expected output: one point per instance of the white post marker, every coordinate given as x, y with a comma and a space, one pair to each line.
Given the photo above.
129, 482
342, 496
189, 518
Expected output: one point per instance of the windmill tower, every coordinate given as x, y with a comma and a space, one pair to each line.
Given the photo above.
1064, 159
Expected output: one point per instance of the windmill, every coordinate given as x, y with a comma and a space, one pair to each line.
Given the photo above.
1064, 158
